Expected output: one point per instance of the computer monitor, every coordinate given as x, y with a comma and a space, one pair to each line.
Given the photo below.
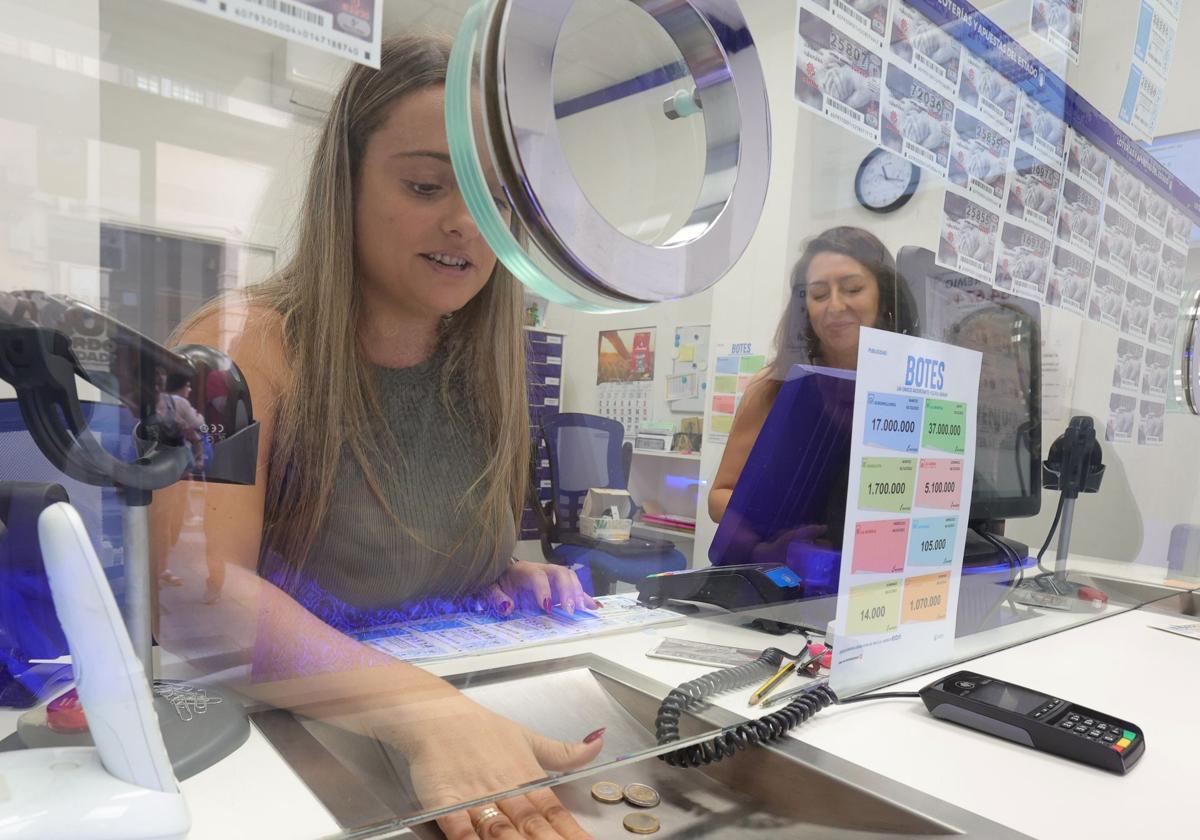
959, 310
1180, 153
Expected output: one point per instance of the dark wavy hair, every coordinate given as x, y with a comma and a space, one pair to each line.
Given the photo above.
795, 340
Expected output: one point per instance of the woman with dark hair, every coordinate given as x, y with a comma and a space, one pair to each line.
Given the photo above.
845, 279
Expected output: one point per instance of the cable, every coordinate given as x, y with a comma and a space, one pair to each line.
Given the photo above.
1050, 535
1011, 555
883, 695
763, 730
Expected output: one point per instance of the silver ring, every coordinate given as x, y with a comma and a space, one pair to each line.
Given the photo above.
488, 814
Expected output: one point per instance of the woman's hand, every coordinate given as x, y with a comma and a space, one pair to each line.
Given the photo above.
539, 586
458, 751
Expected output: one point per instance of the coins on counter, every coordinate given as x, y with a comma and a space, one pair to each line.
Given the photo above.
643, 796
607, 792
641, 823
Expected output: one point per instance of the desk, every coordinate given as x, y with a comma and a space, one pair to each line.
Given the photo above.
253, 793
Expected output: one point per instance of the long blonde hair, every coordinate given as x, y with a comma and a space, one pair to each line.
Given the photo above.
331, 400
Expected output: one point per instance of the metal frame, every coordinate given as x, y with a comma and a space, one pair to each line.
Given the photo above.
712, 36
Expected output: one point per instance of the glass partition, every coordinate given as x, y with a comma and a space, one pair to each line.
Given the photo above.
437, 408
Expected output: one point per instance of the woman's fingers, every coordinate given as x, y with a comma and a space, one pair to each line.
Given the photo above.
486, 822
545, 800
538, 589
582, 598
538, 816
500, 600
457, 826
528, 819
565, 586
564, 756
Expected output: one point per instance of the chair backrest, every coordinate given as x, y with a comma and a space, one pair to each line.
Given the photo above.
29, 627
584, 451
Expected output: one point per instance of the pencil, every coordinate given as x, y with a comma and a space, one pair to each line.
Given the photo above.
766, 687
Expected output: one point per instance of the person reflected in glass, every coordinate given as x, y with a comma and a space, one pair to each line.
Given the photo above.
387, 366
845, 279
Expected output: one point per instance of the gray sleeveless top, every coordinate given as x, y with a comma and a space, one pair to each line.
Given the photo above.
367, 559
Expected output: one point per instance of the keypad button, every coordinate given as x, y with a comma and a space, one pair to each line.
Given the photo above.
1127, 735
1094, 733
1089, 722
1109, 738
1073, 718
1102, 726
1066, 724
1081, 728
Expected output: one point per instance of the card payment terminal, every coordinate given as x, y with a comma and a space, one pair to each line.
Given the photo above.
1036, 720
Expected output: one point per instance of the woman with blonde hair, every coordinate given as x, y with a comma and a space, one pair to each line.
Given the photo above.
387, 366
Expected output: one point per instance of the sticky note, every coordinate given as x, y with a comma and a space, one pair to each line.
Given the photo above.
887, 484
751, 364
939, 483
945, 426
725, 384
874, 608
727, 364
722, 423
723, 404
925, 597
879, 546
931, 541
687, 352
893, 422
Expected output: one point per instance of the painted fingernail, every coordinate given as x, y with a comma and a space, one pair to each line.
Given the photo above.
594, 736
570, 606
546, 605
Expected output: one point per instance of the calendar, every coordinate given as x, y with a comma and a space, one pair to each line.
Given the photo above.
626, 402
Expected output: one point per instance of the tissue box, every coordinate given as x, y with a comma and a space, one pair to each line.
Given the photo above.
606, 515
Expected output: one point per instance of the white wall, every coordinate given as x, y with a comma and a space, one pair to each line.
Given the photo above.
1147, 489
49, 123
191, 140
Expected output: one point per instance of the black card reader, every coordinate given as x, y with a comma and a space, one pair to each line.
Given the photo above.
1036, 720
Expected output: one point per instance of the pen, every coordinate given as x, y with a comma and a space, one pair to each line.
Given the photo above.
790, 694
815, 652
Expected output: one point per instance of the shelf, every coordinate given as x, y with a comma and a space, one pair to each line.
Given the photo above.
662, 529
683, 456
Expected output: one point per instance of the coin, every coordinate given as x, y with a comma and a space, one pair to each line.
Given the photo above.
609, 792
641, 795
640, 823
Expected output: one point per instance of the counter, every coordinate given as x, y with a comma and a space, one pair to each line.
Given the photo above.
1119, 664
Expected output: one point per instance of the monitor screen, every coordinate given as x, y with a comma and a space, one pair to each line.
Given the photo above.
1180, 153
959, 310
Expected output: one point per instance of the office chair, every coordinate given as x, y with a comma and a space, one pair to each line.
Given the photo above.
586, 451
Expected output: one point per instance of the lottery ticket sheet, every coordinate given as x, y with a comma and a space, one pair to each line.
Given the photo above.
465, 634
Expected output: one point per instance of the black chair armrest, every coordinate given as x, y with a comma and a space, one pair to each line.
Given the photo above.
543, 512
